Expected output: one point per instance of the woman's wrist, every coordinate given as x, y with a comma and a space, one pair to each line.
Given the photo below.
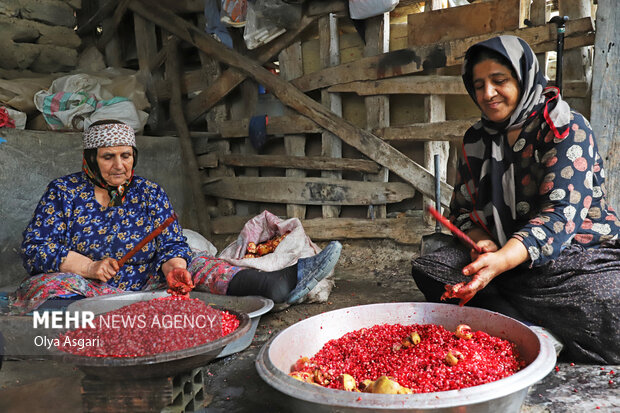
514, 253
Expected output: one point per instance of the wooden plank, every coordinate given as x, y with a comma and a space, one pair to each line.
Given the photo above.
321, 8
439, 85
450, 130
605, 91
308, 191
291, 66
421, 132
232, 77
435, 111
362, 140
465, 21
209, 160
377, 107
298, 162
173, 71
146, 48
538, 17
279, 125
415, 59
331, 145
406, 230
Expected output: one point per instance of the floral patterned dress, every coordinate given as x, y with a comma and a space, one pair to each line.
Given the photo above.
68, 218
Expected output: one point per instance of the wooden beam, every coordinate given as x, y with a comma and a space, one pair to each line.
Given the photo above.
173, 70
321, 8
377, 41
454, 23
102, 13
111, 29
299, 162
415, 59
232, 77
280, 125
435, 111
362, 140
291, 66
406, 230
329, 54
605, 91
308, 191
422, 85
450, 130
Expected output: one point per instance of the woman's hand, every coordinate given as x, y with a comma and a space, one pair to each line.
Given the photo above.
178, 278
485, 267
102, 270
486, 245
179, 282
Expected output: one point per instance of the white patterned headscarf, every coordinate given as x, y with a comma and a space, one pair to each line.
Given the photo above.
531, 82
109, 134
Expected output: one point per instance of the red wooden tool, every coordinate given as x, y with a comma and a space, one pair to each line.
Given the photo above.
444, 221
147, 239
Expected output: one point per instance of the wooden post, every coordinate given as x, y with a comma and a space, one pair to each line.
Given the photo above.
245, 105
377, 107
577, 62
539, 17
146, 47
291, 67
176, 113
329, 40
605, 117
434, 111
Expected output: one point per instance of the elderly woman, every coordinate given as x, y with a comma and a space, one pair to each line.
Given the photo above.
530, 192
85, 222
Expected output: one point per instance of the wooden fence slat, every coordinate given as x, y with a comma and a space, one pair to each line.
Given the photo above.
307, 191
405, 230
415, 59
295, 162
331, 145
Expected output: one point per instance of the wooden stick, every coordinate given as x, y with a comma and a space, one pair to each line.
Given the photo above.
148, 239
463, 236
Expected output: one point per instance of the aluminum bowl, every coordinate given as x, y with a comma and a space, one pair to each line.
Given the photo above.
156, 365
306, 338
253, 306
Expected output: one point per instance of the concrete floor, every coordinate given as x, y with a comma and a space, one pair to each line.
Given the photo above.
366, 273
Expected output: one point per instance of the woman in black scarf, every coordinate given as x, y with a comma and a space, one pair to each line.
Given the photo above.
530, 192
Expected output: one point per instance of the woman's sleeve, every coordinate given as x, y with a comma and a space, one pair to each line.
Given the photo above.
45, 243
565, 190
171, 242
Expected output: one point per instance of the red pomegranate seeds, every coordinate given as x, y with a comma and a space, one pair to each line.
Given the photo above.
150, 327
420, 357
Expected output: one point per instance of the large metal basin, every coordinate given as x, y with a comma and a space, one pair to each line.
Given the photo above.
306, 337
253, 306
157, 365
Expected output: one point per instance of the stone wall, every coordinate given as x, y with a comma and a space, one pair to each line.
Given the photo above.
29, 160
39, 35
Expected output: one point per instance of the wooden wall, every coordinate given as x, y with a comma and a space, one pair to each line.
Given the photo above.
352, 122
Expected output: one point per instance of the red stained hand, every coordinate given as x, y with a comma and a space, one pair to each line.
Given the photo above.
179, 282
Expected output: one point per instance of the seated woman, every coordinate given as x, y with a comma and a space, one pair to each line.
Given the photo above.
85, 222
530, 192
